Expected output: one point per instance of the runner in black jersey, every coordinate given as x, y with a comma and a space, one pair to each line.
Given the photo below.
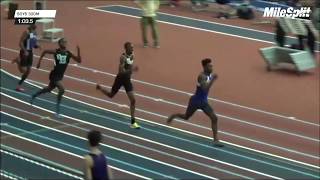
123, 78
62, 58
28, 41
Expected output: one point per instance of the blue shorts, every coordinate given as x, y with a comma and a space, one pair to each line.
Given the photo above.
195, 104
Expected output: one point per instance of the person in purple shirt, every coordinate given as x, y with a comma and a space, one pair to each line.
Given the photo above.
96, 164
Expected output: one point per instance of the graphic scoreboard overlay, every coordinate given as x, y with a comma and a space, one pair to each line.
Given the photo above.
23, 17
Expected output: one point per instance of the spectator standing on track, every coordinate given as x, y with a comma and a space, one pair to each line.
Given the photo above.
28, 41
95, 163
149, 15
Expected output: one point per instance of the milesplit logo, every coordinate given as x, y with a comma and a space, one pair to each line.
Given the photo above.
289, 12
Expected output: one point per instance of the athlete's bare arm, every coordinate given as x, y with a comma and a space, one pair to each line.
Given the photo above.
202, 79
43, 54
78, 57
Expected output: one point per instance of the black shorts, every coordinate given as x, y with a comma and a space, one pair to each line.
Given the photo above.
120, 81
54, 79
26, 60
195, 104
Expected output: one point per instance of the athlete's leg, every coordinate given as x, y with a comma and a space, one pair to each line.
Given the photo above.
206, 108
26, 71
61, 91
115, 88
155, 32
144, 23
25, 65
130, 93
177, 115
47, 89
192, 107
103, 90
132, 105
20, 68
19, 58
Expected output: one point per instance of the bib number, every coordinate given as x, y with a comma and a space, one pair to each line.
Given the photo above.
62, 59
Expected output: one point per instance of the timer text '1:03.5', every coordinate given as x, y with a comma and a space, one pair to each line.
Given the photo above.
25, 20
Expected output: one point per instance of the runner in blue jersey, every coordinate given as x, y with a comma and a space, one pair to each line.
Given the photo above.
28, 42
200, 99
